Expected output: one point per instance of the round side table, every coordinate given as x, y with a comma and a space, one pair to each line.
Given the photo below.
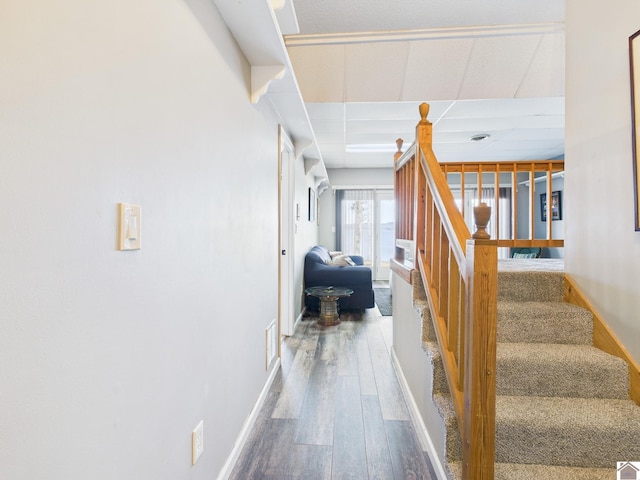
328, 303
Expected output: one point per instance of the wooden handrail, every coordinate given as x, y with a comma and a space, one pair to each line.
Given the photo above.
518, 173
459, 273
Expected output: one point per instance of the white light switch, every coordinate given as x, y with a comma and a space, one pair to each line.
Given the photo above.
197, 442
129, 227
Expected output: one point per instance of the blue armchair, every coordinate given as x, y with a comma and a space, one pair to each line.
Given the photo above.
319, 272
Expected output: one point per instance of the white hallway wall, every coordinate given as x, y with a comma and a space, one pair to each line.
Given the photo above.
602, 250
305, 231
109, 359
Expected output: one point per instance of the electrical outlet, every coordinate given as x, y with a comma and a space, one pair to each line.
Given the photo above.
197, 442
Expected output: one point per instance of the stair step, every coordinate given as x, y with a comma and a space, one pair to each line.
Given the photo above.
521, 471
531, 286
543, 322
552, 370
574, 432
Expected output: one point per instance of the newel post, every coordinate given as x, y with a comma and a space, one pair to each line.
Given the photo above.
481, 215
424, 130
478, 436
398, 154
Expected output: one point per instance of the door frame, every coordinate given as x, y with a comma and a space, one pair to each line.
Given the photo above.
286, 239
380, 273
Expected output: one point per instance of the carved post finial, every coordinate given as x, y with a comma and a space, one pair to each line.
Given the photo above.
424, 111
481, 215
399, 143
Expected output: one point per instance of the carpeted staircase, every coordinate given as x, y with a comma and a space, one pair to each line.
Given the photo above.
562, 406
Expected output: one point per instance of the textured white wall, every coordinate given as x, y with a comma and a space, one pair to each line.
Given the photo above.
602, 251
109, 359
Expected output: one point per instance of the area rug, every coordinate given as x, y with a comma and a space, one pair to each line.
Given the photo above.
383, 301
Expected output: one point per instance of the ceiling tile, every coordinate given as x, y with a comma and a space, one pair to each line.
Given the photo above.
326, 111
435, 69
370, 15
320, 72
497, 66
506, 107
545, 76
372, 71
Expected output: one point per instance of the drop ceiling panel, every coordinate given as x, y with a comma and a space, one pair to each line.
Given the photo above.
372, 71
498, 66
394, 110
386, 141
370, 160
535, 134
320, 72
519, 107
378, 126
335, 136
501, 123
326, 111
546, 74
388, 110
370, 15
510, 86
328, 126
435, 69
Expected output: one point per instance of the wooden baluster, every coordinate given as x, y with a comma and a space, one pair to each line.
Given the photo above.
421, 213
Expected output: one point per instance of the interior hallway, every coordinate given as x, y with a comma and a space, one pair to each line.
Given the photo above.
335, 409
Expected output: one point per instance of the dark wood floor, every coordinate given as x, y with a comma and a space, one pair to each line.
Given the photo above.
335, 410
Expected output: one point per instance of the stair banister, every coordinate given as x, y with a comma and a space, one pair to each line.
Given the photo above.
459, 272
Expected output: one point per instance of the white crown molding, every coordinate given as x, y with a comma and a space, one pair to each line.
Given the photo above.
423, 34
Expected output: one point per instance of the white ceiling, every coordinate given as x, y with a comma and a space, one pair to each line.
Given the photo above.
494, 67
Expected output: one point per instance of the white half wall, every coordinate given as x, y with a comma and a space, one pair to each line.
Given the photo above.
109, 359
602, 251
417, 369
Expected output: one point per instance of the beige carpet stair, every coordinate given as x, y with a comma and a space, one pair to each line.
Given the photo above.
562, 406
562, 323
549, 370
516, 471
577, 432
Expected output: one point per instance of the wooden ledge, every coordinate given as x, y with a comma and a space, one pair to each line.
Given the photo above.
603, 337
402, 270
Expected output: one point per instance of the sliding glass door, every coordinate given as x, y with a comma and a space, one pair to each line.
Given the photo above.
365, 226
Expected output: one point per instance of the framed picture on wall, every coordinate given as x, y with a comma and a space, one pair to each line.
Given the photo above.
556, 206
312, 205
634, 60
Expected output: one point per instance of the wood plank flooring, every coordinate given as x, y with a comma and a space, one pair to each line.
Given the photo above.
335, 410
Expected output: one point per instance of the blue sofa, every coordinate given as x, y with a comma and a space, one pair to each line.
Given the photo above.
318, 272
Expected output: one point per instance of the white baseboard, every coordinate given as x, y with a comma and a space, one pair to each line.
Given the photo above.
248, 425
298, 320
416, 418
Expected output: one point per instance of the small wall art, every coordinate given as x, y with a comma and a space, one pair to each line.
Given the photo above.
312, 205
556, 206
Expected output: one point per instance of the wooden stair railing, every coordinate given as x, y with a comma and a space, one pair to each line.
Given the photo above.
459, 272
512, 175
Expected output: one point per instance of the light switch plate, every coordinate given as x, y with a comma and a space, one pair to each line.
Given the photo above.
129, 227
197, 442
